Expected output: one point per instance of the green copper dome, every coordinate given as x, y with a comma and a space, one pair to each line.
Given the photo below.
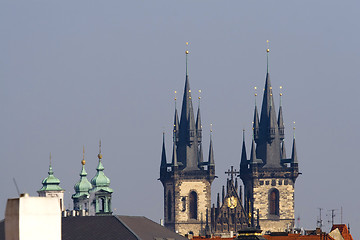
83, 186
51, 183
100, 181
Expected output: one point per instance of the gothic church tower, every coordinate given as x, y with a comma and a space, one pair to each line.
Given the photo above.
187, 179
268, 176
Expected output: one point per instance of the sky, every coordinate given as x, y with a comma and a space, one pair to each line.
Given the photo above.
75, 72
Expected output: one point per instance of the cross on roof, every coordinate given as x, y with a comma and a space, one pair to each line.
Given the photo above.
232, 172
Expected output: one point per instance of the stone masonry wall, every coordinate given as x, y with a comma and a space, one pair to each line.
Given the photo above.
261, 190
183, 223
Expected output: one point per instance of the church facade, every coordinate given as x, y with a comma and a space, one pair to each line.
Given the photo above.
187, 179
269, 176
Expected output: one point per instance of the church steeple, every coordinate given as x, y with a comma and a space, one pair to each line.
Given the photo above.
268, 140
163, 165
187, 148
100, 181
51, 187
187, 185
243, 161
211, 153
82, 187
51, 183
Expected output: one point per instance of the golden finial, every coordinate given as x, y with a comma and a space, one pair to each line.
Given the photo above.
187, 51
83, 160
255, 91
211, 127
175, 95
280, 91
99, 155
199, 94
267, 46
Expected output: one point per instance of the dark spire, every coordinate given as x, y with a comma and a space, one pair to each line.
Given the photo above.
244, 161
268, 141
283, 150
294, 154
201, 158
253, 153
163, 155
240, 194
198, 123
211, 153
187, 145
176, 127
218, 201
223, 194
174, 157
256, 123
281, 124
236, 184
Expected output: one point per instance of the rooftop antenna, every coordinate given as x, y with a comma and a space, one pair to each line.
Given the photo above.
341, 215
319, 222
17, 188
332, 216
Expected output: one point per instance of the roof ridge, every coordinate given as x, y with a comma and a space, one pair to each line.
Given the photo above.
127, 227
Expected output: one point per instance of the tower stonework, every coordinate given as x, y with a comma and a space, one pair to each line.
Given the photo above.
268, 176
187, 179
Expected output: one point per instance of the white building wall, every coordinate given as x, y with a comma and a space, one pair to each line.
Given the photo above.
33, 218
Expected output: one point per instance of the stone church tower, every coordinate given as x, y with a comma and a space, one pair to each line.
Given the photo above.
187, 179
268, 176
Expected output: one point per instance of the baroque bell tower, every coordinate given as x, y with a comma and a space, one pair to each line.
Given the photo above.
187, 179
269, 176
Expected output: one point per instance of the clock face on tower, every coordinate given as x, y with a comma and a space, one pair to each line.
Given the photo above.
232, 202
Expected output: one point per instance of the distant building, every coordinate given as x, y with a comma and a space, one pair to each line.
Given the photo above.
269, 176
29, 218
187, 179
93, 198
229, 216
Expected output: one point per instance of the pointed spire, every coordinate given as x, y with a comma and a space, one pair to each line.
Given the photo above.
186, 54
176, 124
253, 153
294, 153
174, 157
240, 194
244, 161
100, 181
223, 194
218, 201
256, 123
201, 155
83, 186
211, 152
283, 150
281, 120
51, 183
236, 184
198, 122
163, 154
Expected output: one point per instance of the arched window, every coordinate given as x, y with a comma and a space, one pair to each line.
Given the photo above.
169, 206
193, 205
274, 202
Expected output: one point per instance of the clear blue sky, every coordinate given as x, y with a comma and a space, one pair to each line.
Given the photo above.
72, 72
